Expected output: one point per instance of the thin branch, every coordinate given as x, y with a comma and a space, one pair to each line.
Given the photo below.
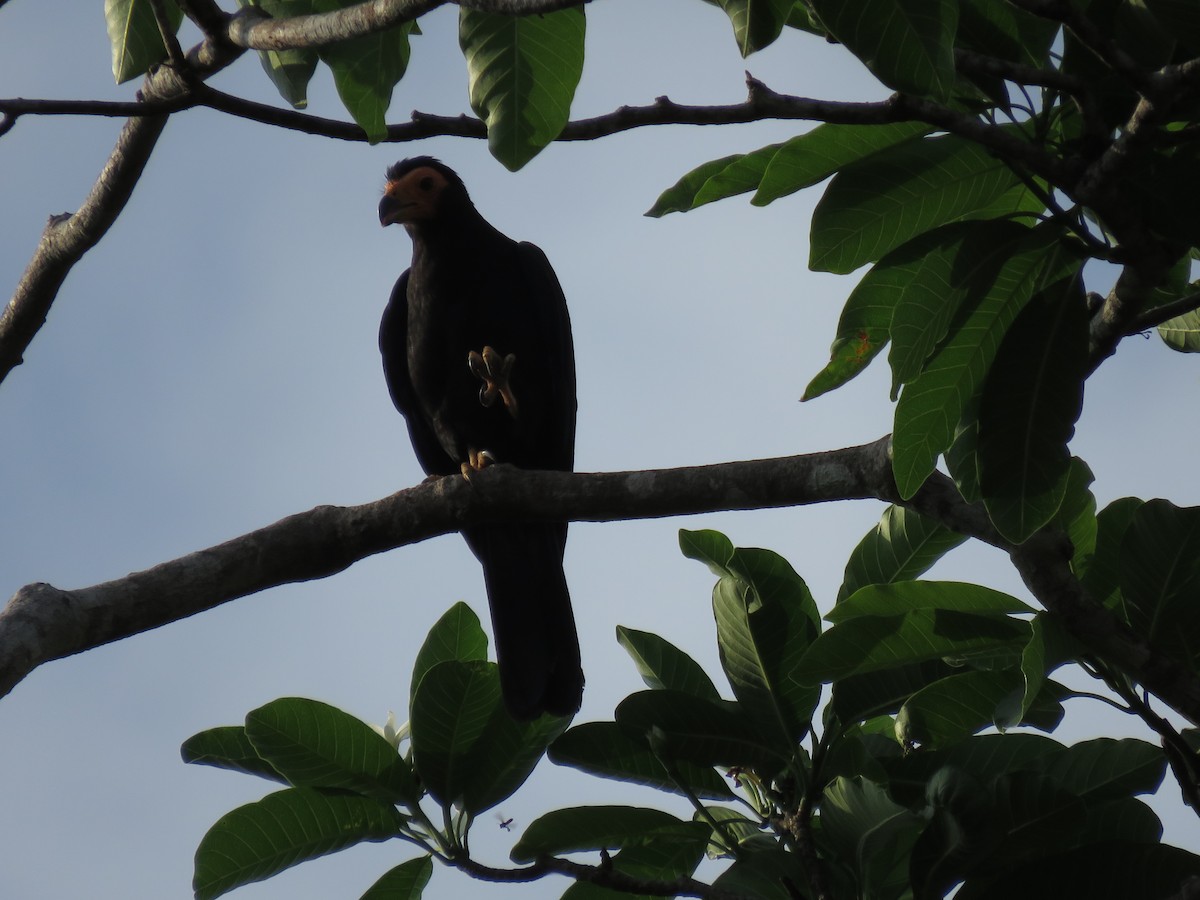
1154, 317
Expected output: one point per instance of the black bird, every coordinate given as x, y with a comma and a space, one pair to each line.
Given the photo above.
477, 351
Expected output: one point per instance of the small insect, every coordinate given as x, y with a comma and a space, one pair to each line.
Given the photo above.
506, 824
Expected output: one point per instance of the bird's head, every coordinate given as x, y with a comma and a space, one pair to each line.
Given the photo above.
420, 190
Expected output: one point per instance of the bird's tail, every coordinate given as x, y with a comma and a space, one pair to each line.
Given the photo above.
536, 642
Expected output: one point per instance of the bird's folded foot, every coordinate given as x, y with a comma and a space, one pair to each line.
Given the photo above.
494, 371
476, 461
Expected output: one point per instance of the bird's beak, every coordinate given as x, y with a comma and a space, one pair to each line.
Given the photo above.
390, 210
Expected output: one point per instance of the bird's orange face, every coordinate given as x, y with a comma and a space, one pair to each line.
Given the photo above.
413, 197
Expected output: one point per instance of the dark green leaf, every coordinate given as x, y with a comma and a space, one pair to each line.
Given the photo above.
1160, 576
1077, 515
289, 70
456, 635
949, 710
606, 750
665, 857
1180, 17
522, 72
907, 44
258, 840
1101, 572
133, 32
405, 882
962, 830
1032, 397
504, 757
1111, 870
902, 546
314, 744
228, 747
907, 596
874, 206
1005, 31
706, 732
871, 833
810, 158
1126, 819
756, 23
1105, 769
591, 828
767, 874
861, 697
871, 643
663, 665
715, 180
932, 405
365, 70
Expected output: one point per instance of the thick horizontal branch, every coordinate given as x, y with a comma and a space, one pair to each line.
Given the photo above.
41, 622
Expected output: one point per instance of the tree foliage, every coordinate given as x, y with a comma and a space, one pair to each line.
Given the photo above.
1023, 201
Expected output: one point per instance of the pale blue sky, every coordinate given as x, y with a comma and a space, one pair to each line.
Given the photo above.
211, 367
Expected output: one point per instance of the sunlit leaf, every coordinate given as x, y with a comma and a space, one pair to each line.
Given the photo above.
902, 546
663, 665
227, 747
133, 32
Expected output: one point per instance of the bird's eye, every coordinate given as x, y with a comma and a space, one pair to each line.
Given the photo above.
426, 183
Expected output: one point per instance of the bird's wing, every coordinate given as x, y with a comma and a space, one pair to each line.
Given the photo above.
393, 347
554, 326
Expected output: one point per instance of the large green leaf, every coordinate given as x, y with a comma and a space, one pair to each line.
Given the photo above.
907, 44
871, 833
871, 643
289, 70
314, 744
227, 747
756, 23
860, 697
1160, 576
608, 751
907, 596
522, 73
715, 180
706, 732
1101, 573
665, 857
1182, 333
1104, 769
812, 157
456, 635
878, 204
467, 749
765, 617
591, 828
258, 840
133, 32
862, 331
1004, 31
405, 882
1032, 396
932, 405
365, 70
663, 665
902, 546
1111, 870
766, 874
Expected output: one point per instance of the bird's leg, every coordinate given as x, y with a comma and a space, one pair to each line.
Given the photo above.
476, 461
494, 371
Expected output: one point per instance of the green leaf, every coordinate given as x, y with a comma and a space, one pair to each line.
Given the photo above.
1077, 515
1182, 333
522, 73
456, 635
869, 832
871, 643
715, 180
365, 70
608, 751
932, 404
1032, 397
878, 204
810, 158
1049, 646
665, 857
1101, 573
228, 747
1110, 870
133, 32
466, 747
1181, 17
862, 331
314, 744
907, 44
962, 830
289, 70
907, 596
1160, 576
1104, 769
767, 874
590, 828
901, 547
405, 882
756, 23
860, 697
705, 732
258, 840
663, 665
1004, 31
